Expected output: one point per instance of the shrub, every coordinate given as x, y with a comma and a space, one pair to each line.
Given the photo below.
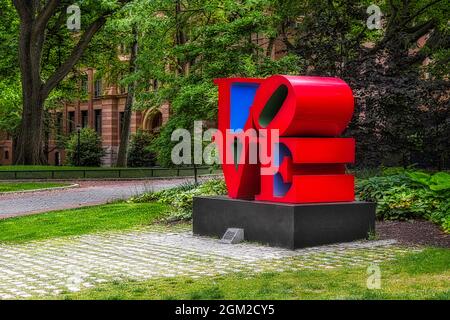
139, 154
91, 151
181, 198
439, 182
409, 194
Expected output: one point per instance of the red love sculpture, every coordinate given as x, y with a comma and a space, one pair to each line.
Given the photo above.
235, 99
303, 106
309, 161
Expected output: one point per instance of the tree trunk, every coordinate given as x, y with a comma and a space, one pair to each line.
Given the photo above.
181, 38
125, 132
29, 146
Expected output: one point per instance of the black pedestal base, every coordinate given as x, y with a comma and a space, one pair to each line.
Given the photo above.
284, 225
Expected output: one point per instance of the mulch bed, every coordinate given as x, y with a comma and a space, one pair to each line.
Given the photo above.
413, 232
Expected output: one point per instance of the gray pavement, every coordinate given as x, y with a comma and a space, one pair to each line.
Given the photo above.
55, 266
97, 193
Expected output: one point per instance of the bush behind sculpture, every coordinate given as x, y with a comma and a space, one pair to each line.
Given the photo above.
408, 194
91, 151
181, 198
139, 154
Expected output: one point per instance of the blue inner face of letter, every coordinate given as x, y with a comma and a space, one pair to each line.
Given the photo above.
242, 96
280, 188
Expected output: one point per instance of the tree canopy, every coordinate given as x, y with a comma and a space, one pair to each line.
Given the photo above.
399, 73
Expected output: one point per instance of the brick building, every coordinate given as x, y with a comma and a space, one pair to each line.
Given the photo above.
103, 111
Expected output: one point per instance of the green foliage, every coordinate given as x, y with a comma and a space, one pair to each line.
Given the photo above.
400, 118
10, 105
206, 39
192, 102
437, 182
401, 115
10, 89
139, 154
9, 40
91, 150
392, 171
409, 194
401, 112
181, 198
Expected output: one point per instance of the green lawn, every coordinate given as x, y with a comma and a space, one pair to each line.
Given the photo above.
23, 186
424, 275
115, 216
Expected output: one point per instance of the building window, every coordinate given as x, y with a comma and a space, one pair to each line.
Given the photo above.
84, 85
71, 121
6, 155
98, 121
98, 91
84, 119
59, 123
57, 159
157, 122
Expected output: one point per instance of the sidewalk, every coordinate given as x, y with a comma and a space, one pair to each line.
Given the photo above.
88, 194
50, 267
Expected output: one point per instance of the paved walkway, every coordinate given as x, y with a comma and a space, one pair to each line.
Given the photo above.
88, 194
50, 267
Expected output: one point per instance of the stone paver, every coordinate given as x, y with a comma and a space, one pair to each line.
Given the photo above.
70, 264
20, 204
